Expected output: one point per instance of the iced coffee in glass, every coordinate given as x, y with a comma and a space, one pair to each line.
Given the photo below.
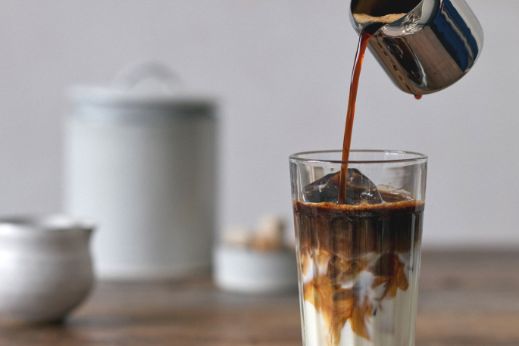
358, 251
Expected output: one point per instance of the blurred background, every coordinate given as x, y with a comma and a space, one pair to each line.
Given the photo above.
280, 70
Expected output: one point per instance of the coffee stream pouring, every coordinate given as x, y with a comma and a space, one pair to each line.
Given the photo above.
424, 46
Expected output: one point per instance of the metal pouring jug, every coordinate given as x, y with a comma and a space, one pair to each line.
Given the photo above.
428, 48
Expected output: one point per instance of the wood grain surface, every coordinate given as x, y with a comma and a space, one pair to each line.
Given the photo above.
467, 298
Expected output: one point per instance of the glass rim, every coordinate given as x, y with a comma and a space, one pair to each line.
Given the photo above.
415, 156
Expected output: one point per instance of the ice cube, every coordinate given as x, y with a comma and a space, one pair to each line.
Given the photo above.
359, 189
325, 189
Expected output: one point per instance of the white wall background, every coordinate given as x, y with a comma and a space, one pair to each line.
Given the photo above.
281, 68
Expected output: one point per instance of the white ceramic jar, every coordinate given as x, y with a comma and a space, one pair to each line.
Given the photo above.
141, 163
45, 267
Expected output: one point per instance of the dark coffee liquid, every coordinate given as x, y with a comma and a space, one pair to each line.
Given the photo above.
381, 8
350, 114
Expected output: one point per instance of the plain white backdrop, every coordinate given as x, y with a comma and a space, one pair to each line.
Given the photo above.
280, 69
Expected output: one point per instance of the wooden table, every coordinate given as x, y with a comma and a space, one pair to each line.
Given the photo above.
467, 298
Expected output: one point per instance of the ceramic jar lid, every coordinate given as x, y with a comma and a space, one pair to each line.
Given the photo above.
148, 88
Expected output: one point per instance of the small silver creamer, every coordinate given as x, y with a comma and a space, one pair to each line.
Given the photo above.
428, 47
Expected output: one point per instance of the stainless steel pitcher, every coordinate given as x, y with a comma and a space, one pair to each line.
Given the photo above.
428, 48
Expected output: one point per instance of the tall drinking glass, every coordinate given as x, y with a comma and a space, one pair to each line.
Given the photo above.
358, 261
